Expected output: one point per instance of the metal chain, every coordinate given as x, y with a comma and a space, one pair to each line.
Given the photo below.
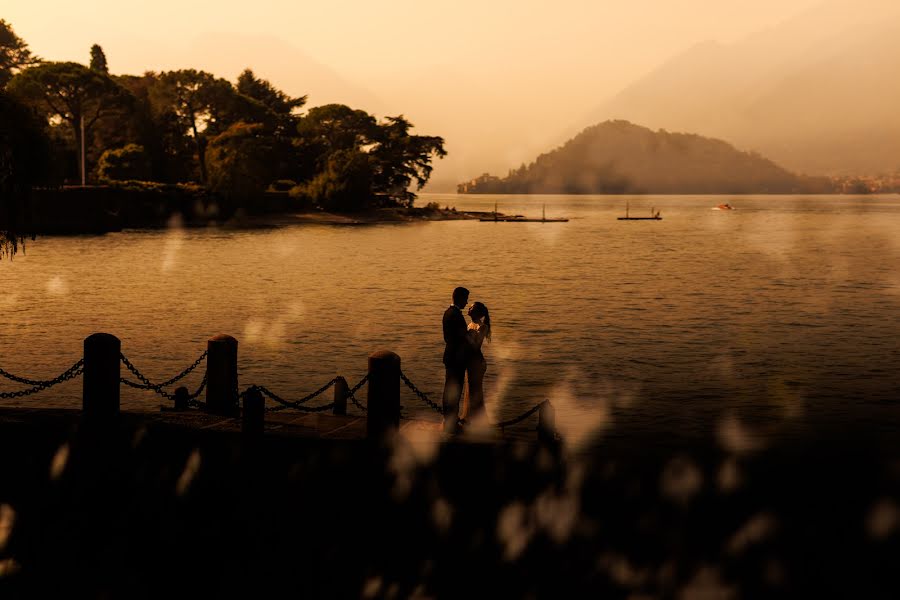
520, 418
186, 372
304, 400
192, 399
355, 389
147, 384
78, 369
37, 382
200, 389
422, 395
70, 373
298, 405
157, 387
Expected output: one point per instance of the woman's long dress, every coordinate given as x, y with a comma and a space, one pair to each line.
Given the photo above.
473, 399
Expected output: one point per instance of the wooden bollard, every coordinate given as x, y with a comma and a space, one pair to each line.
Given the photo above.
182, 398
546, 429
100, 396
383, 394
253, 417
221, 375
341, 392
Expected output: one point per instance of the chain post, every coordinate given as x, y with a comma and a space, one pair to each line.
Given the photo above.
100, 395
253, 416
384, 394
341, 391
182, 398
221, 369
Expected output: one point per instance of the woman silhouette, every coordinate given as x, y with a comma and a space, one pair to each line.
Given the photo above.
479, 329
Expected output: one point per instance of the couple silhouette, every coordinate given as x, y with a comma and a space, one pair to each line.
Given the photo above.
464, 362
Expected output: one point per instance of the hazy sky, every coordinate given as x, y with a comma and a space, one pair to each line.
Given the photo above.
507, 77
361, 38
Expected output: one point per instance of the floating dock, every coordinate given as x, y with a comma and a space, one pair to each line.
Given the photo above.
498, 218
655, 215
517, 219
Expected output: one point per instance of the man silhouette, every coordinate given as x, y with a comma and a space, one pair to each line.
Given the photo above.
456, 355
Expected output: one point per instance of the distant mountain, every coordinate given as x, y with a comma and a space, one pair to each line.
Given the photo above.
617, 157
819, 93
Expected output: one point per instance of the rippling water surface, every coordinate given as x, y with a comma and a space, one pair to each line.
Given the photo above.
784, 309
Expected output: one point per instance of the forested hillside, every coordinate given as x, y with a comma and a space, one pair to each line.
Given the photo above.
618, 157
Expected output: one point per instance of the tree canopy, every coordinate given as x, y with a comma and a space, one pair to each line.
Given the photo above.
204, 105
70, 92
243, 160
267, 94
189, 125
14, 53
332, 139
128, 163
98, 60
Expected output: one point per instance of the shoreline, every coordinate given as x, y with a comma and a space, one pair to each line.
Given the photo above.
97, 210
369, 217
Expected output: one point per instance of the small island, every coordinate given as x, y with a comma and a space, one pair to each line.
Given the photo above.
618, 157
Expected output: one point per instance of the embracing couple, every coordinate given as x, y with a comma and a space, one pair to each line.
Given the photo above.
464, 361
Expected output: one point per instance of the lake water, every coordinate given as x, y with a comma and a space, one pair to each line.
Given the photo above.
783, 310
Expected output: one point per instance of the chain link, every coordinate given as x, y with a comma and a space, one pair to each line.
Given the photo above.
43, 383
503, 424
146, 384
355, 389
520, 418
200, 389
38, 386
192, 398
298, 405
422, 395
186, 372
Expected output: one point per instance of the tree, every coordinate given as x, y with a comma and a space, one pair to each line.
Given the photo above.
204, 105
395, 158
264, 92
124, 164
169, 149
98, 60
25, 159
400, 158
70, 92
242, 161
344, 185
14, 53
327, 129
